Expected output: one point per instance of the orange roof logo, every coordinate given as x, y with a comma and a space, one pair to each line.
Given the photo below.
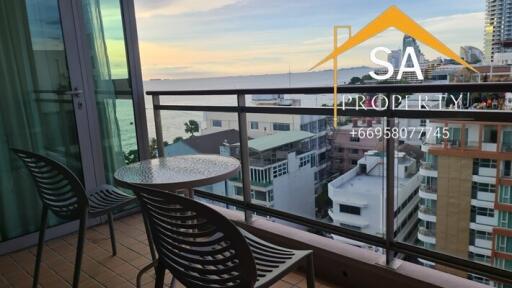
394, 17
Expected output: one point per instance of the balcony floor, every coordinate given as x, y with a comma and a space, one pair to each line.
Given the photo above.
99, 268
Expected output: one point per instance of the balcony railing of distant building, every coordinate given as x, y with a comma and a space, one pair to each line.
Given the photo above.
427, 232
388, 242
428, 165
428, 188
427, 210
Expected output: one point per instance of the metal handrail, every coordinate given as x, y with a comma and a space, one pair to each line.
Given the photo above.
389, 242
386, 88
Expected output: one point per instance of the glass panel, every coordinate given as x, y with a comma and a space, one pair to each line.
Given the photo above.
457, 214
34, 114
105, 30
188, 133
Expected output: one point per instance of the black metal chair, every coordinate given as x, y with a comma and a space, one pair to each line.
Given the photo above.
63, 194
203, 249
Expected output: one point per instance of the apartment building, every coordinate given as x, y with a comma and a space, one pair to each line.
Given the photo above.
358, 197
347, 148
259, 125
282, 169
465, 195
498, 28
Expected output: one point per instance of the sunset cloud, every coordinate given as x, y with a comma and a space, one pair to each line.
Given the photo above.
176, 7
237, 40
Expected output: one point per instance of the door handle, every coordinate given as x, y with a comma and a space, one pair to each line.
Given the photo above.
74, 93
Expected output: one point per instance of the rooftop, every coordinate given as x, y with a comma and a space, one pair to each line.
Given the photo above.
208, 143
278, 139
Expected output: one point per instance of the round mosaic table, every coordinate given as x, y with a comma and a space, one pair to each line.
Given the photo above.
178, 172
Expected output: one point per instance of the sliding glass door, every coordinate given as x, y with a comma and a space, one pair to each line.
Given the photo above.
66, 92
42, 107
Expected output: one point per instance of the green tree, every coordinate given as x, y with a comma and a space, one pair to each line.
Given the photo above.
131, 156
191, 127
355, 80
177, 139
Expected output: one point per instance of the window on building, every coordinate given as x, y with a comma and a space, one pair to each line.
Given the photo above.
484, 163
504, 244
313, 127
483, 187
254, 125
340, 149
279, 169
322, 141
239, 191
490, 134
216, 123
270, 195
350, 209
260, 195
481, 235
354, 151
322, 125
481, 211
504, 264
505, 219
304, 160
353, 162
505, 194
354, 139
479, 258
423, 122
281, 126
507, 168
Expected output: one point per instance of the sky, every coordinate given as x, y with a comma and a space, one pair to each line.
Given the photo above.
210, 38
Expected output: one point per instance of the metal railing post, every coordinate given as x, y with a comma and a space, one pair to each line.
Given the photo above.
158, 126
390, 188
244, 155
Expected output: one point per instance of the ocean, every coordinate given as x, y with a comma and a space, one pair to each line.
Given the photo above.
173, 121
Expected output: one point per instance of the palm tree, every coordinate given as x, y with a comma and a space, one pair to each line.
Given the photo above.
191, 127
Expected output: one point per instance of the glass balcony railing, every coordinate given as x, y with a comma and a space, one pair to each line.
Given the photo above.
306, 190
427, 210
428, 165
427, 232
428, 188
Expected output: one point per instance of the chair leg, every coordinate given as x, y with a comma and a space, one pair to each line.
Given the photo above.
112, 233
80, 250
160, 276
311, 271
150, 238
40, 245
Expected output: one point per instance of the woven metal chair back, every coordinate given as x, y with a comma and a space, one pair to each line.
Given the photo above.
197, 244
59, 189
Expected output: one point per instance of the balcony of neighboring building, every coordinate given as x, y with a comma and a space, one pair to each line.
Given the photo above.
427, 235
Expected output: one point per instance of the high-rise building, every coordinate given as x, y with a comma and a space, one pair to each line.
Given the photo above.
465, 195
395, 58
408, 41
471, 54
498, 28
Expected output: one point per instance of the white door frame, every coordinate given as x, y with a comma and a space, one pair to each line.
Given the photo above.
84, 99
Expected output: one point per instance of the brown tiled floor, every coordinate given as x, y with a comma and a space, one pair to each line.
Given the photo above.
99, 268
